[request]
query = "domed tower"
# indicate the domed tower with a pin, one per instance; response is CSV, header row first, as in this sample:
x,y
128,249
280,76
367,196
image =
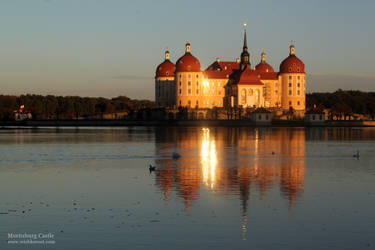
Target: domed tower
x,y
165,87
272,92
293,80
189,81
263,66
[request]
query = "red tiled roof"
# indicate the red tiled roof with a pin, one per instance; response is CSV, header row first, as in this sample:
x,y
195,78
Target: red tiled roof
x,y
292,64
188,63
264,67
221,70
269,75
248,76
165,69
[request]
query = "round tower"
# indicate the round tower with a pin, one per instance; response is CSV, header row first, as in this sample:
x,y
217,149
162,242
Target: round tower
x,y
165,83
189,80
293,79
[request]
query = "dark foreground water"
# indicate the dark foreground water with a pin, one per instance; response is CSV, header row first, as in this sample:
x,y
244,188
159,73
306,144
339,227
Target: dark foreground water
x,y
232,188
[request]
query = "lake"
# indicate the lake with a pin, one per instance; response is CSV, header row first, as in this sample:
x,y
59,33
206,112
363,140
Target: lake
x,y
232,188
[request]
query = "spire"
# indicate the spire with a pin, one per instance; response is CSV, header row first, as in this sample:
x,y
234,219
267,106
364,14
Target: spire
x,y
245,38
245,56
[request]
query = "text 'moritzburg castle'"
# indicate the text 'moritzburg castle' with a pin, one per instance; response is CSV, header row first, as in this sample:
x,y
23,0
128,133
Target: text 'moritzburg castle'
x,y
231,83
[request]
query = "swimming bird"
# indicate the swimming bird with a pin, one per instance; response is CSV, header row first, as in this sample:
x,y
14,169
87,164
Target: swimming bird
x,y
152,168
176,155
356,155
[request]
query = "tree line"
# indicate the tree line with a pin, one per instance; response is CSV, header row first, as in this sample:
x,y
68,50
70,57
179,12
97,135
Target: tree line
x,y
343,103
68,107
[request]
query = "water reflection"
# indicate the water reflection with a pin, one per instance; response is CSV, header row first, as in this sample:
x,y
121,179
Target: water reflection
x,y
238,161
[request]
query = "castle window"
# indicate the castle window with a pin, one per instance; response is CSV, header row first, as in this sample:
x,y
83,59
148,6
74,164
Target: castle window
x,y
290,84
180,91
197,76
290,69
180,102
298,103
276,92
167,73
189,83
189,76
243,96
294,64
290,103
219,92
197,84
188,67
180,83
197,104
180,75
189,91
298,92
298,85
197,91
290,77
297,69
189,103
298,77
250,91
290,92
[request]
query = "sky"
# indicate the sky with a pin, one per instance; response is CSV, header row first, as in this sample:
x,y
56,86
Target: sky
x,y
112,47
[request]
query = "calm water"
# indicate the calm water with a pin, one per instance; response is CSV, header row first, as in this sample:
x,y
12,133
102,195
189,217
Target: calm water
x,y
233,188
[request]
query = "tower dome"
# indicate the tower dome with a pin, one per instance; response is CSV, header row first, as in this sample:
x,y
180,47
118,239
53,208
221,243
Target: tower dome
x,y
263,66
166,68
292,64
188,62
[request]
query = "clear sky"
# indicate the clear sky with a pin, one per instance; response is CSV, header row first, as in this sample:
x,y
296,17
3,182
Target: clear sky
x,y
112,47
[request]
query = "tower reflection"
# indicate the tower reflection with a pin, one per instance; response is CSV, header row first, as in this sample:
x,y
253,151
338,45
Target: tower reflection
x,y
248,162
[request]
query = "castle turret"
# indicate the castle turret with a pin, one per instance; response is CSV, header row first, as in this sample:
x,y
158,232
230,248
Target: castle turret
x,y
293,78
189,80
164,82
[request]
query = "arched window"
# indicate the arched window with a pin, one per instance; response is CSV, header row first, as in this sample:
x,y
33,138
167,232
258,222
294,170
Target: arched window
x,y
243,96
257,94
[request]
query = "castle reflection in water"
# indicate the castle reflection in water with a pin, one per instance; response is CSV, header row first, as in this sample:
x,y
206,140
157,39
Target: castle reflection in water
x,y
231,160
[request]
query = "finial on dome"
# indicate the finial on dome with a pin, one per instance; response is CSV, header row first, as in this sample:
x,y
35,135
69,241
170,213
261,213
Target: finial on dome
x,y
167,56
263,55
292,48
187,47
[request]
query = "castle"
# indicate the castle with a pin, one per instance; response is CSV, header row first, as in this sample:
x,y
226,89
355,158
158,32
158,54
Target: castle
x,y
231,84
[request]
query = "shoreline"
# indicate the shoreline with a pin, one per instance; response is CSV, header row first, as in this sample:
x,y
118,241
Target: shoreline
x,y
186,123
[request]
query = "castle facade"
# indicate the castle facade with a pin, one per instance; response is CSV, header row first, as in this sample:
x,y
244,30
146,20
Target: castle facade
x,y
231,83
